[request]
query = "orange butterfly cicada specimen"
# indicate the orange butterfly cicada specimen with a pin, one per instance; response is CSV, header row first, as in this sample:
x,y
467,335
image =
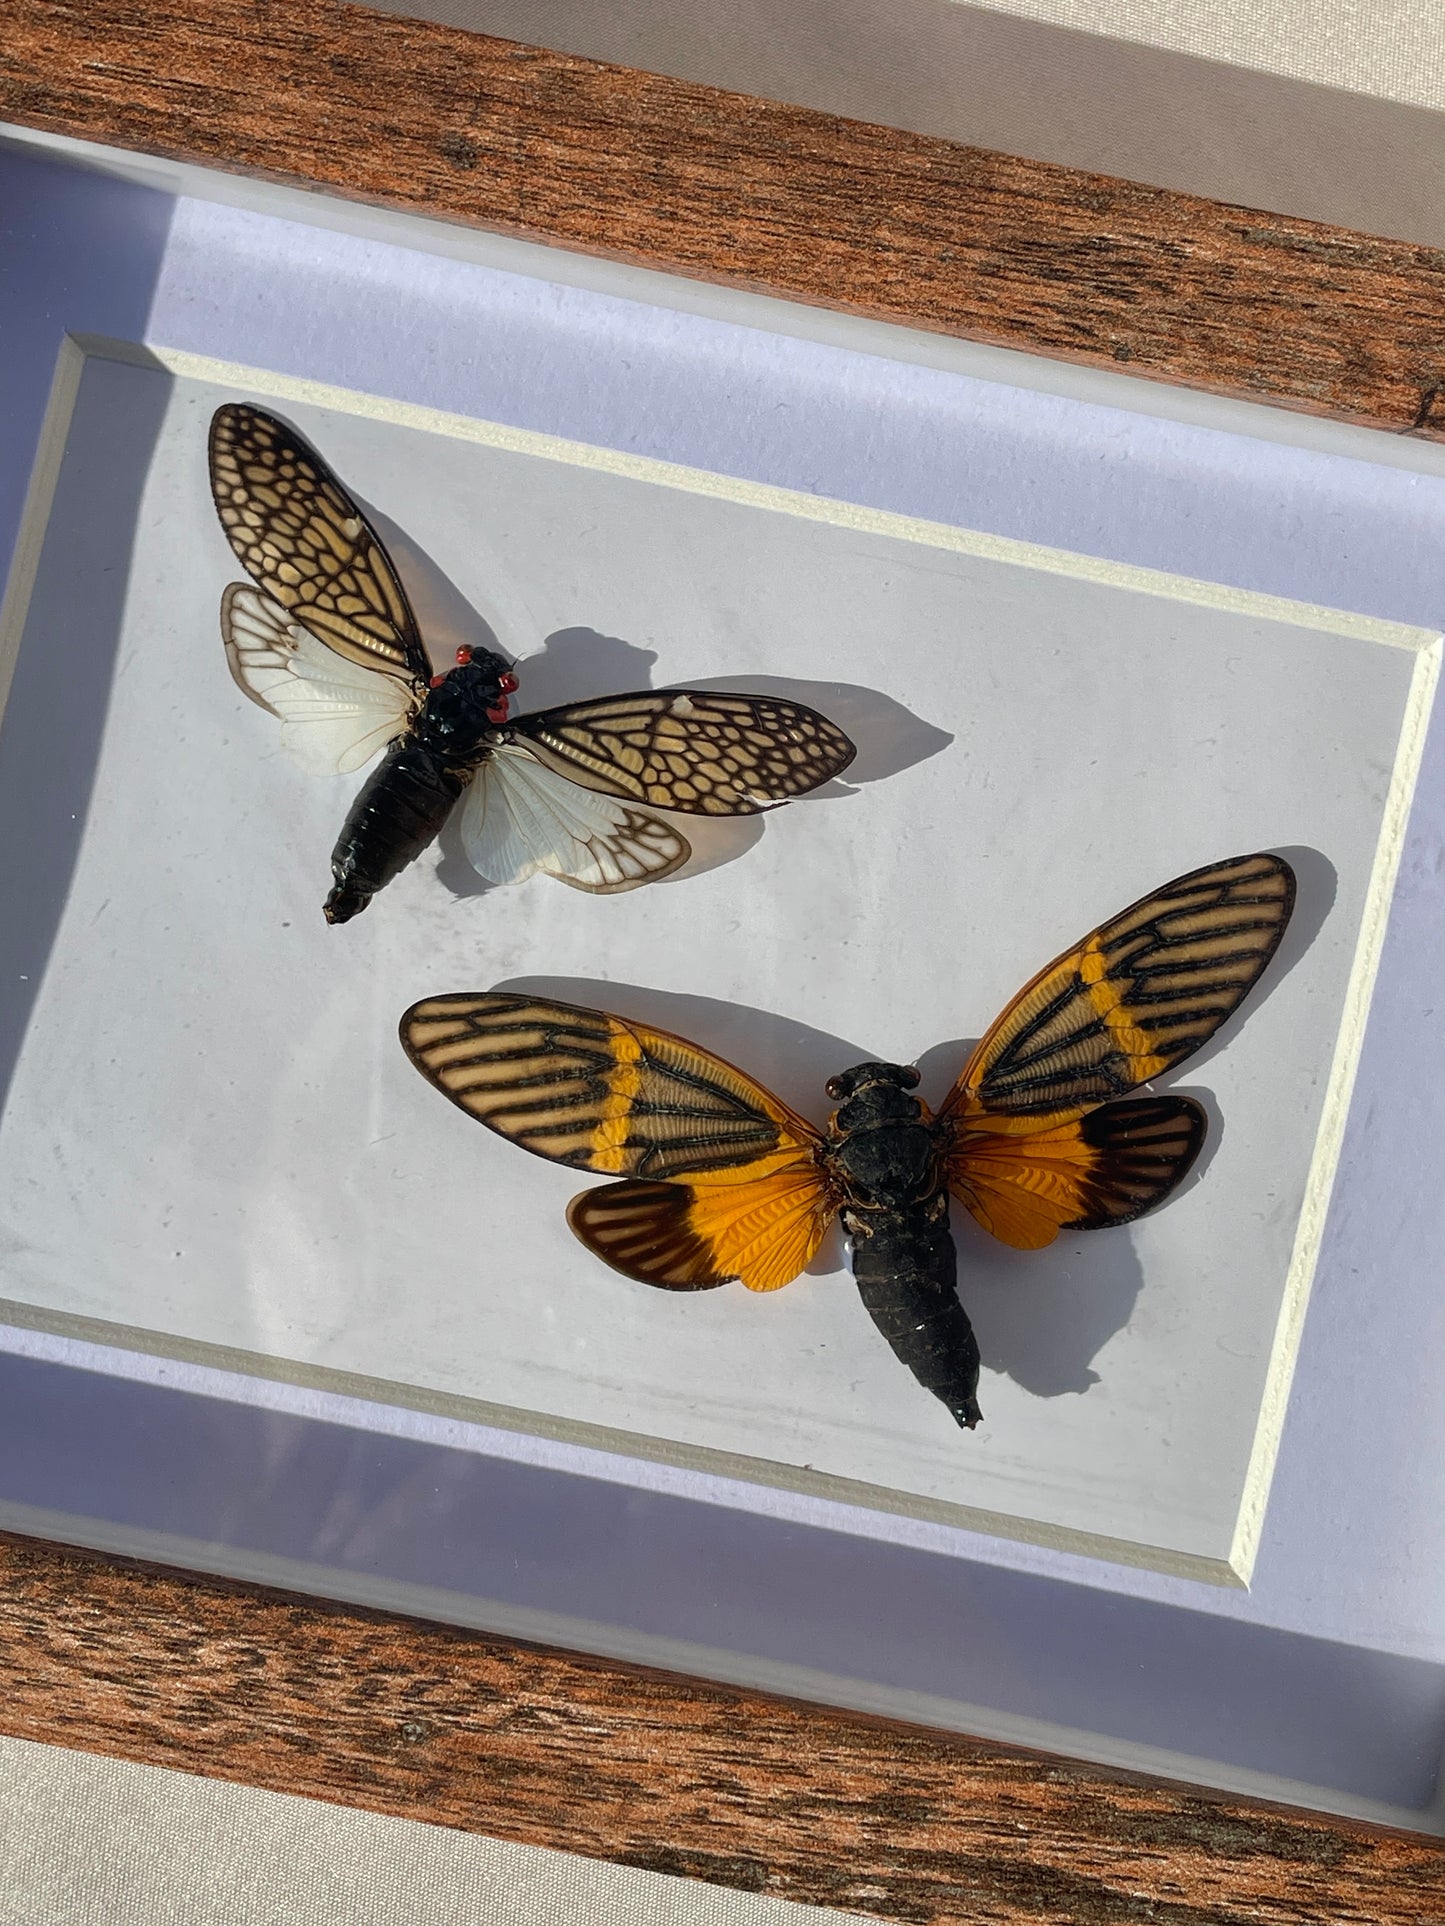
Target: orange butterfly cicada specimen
x,y
719,1179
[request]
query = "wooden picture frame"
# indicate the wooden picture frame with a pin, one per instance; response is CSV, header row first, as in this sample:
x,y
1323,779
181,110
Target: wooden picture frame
x,y
653,1771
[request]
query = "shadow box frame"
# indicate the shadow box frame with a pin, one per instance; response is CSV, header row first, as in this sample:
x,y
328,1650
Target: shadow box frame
x,y
503,1736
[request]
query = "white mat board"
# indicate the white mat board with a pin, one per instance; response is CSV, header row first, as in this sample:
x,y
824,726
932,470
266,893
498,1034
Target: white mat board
x,y
212,1135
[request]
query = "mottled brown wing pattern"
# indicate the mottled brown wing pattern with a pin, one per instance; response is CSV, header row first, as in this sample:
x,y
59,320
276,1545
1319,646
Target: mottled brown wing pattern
x,y
700,751
1138,996
298,533
586,1089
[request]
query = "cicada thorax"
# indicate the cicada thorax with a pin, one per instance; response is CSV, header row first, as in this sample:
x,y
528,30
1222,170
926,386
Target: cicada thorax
x,y
405,801
885,1158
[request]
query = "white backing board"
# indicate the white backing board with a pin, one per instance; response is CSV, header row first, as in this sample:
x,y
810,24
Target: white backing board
x,y
212,1135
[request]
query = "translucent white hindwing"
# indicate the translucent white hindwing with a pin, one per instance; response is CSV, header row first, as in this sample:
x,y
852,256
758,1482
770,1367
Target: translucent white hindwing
x,y
520,817
335,714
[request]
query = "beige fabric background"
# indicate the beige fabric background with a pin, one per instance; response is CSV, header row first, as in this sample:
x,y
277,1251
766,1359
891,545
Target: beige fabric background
x,y
95,1842
1332,109
1393,48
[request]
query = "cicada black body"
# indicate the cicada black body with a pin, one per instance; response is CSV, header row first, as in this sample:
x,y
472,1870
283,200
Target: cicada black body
x,y
327,641
720,1179
404,803
890,1171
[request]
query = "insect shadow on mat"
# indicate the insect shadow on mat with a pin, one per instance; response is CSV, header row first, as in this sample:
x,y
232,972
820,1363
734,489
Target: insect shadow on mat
x,y
889,737
447,620
1043,1316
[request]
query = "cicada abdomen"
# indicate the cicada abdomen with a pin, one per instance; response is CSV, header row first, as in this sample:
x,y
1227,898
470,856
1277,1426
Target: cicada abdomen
x,y
884,1154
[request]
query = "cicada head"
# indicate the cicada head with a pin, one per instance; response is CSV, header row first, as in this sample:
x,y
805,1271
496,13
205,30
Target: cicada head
x,y
874,1093
470,695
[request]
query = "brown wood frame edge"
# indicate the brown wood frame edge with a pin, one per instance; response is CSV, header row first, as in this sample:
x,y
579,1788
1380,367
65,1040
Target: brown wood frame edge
x,y
545,1747
647,1769
642,168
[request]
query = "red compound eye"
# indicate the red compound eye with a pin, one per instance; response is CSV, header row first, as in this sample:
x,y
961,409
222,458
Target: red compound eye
x,y
509,684
464,656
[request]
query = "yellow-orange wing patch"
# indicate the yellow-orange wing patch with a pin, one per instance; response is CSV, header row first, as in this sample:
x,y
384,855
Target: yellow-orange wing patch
x,y
299,534
748,1198
1028,1183
762,1229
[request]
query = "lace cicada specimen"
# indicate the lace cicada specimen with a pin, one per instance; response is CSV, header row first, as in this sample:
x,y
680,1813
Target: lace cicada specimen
x,y
327,642
720,1180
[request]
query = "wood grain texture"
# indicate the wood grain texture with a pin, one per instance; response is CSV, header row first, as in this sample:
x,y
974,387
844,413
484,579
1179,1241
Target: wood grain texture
x,y
669,1774
665,173
538,1746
